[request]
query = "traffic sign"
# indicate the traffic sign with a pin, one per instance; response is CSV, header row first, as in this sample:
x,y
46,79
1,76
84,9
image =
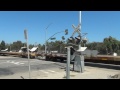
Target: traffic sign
x,y
25,34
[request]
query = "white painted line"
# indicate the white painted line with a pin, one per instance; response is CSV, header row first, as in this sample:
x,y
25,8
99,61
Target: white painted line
x,y
12,62
44,71
51,71
8,61
27,61
16,63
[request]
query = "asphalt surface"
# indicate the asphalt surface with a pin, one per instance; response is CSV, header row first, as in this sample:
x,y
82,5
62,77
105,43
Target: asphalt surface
x,y
14,65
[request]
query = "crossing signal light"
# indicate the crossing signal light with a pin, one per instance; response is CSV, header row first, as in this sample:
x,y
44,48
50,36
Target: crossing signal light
x,y
70,40
78,39
66,32
84,40
63,38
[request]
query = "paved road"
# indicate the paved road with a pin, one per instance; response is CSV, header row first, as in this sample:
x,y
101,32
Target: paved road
x,y
14,65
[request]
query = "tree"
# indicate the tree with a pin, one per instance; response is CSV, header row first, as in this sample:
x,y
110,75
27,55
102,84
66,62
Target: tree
x,y
56,46
2,45
31,46
111,44
8,46
39,47
17,45
43,47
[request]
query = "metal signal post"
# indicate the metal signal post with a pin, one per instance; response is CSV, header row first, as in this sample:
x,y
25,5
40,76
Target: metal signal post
x,y
26,37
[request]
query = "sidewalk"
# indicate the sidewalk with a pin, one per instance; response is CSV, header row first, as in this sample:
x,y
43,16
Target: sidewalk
x,y
89,73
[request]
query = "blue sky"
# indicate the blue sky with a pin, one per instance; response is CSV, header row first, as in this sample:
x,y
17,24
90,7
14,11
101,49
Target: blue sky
x,y
98,24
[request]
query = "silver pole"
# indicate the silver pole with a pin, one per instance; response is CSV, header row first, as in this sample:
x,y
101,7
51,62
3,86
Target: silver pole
x,y
80,28
80,17
68,64
28,56
46,37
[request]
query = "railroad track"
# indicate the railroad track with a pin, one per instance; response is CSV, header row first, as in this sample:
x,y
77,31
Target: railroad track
x,y
103,65
93,64
103,61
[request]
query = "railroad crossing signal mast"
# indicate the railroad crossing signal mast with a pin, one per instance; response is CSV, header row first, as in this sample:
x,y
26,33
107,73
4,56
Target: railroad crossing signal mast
x,y
77,54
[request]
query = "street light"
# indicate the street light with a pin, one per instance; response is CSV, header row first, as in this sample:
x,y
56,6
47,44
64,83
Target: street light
x,y
66,33
46,36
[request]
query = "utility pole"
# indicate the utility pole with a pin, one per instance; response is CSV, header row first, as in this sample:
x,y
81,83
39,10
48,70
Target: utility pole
x,y
26,37
80,28
46,37
68,63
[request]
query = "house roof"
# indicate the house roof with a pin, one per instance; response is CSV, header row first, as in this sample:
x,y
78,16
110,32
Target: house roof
x,y
33,49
